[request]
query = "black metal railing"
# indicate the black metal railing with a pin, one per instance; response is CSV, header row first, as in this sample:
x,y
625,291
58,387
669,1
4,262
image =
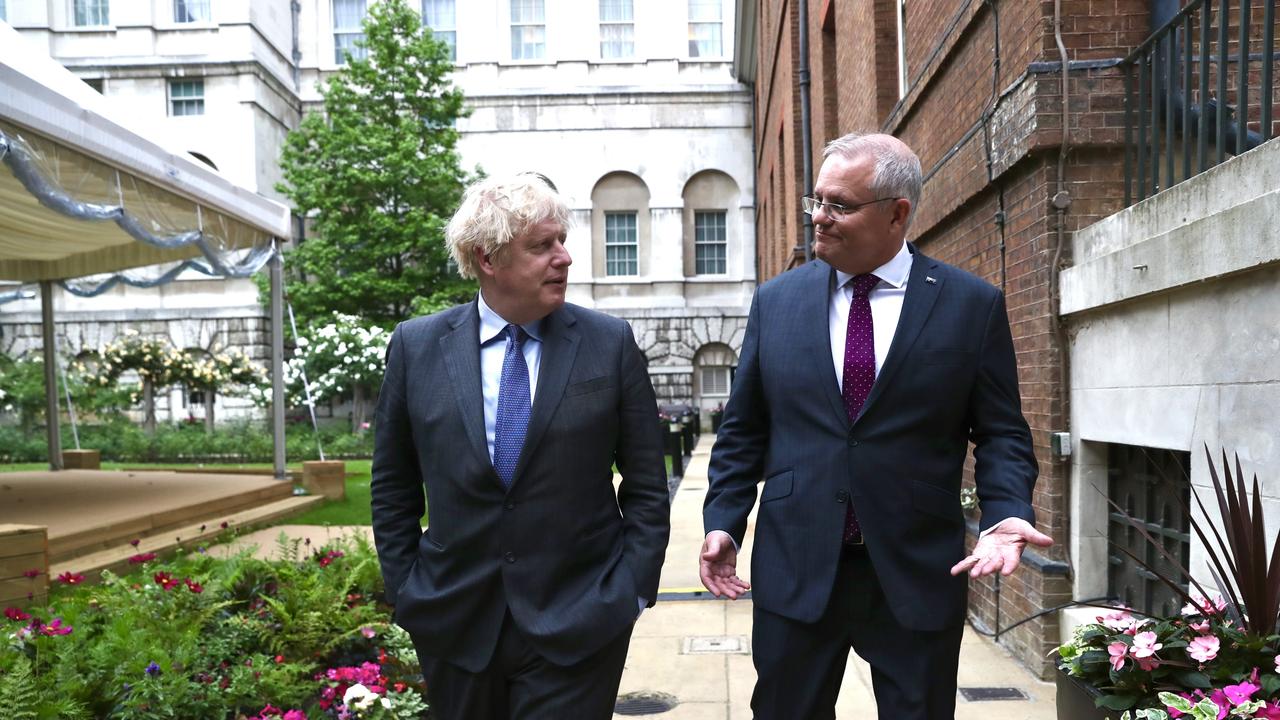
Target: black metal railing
x,y
1199,89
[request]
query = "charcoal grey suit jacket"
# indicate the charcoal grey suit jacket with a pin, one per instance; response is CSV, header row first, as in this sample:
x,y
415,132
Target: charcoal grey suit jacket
x,y
560,550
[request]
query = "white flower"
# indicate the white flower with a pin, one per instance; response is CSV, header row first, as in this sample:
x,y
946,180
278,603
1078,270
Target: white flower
x,y
359,697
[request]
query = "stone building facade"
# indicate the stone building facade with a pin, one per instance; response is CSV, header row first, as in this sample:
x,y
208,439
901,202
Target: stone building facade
x,y
629,107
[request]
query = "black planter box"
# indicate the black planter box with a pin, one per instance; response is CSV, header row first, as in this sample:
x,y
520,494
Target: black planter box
x,y
1075,701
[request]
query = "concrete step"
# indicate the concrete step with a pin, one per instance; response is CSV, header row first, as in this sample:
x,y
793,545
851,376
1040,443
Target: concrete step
x,y
194,534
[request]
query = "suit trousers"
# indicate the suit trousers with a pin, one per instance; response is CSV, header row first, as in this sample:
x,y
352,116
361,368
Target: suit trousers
x,y
519,684
800,665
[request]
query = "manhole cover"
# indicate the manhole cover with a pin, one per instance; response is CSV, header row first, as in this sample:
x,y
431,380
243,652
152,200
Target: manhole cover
x,y
644,703
717,644
989,694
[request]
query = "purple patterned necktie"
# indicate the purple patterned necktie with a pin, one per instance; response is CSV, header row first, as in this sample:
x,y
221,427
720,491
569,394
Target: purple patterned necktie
x,y
859,370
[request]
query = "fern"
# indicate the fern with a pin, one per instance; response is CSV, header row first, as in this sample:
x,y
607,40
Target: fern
x,y
18,692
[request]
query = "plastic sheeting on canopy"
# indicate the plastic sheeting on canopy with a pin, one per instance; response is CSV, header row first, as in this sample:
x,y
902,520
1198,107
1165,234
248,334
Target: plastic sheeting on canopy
x,y
84,196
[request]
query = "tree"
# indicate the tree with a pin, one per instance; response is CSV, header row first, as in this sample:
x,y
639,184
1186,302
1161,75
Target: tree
x,y
378,174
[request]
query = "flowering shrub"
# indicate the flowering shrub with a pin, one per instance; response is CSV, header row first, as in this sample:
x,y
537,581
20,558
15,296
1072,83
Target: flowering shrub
x,y
295,639
1203,654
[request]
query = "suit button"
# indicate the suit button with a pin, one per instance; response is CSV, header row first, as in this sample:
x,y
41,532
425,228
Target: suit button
x,y
509,506
509,557
842,497
853,442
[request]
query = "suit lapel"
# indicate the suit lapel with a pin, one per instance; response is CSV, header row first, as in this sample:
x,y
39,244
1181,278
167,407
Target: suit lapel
x,y
461,350
817,300
923,286
559,350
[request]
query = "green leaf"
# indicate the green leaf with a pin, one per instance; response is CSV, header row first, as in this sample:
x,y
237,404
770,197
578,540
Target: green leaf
x,y
1116,701
1192,679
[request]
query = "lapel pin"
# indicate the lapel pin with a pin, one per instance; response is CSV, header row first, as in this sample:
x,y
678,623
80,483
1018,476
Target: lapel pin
x,y
930,280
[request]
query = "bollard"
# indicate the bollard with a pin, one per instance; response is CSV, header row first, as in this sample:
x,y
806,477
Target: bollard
x,y
672,433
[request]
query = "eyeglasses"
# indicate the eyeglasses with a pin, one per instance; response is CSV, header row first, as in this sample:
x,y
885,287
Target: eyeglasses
x,y
811,205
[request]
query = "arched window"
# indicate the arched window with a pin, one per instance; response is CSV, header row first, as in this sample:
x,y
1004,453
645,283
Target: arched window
x,y
713,367
710,220
620,226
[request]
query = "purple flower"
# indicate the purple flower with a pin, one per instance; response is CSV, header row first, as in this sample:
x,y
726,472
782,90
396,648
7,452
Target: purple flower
x,y
153,669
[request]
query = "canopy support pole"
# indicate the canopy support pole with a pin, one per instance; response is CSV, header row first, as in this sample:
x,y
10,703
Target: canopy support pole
x,y
277,361
50,375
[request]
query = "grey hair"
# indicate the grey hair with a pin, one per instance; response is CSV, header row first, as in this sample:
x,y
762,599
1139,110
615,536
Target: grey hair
x,y
897,172
496,210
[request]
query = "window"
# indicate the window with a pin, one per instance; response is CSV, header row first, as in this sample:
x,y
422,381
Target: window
x,y
705,27
441,16
621,244
190,11
617,29
347,18
715,381
90,13
1152,487
528,30
186,97
4,14
709,243
903,80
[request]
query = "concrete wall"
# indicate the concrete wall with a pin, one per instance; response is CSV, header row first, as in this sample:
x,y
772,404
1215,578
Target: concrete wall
x,y
1172,307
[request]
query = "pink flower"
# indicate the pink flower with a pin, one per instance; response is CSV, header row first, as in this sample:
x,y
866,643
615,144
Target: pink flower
x,y
1201,627
368,632
1149,663
1204,606
1117,651
55,628
17,615
1204,648
165,580
70,578
295,715
1278,663
194,586
1270,711
142,558
1120,620
1240,694
32,573
1145,645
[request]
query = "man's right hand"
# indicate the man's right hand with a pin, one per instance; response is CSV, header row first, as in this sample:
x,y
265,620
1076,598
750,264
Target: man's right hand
x,y
718,566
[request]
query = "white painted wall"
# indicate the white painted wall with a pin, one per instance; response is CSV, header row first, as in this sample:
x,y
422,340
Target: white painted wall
x,y
1174,313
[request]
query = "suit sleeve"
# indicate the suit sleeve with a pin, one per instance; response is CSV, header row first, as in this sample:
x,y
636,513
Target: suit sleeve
x,y
398,497
737,459
642,496
1005,465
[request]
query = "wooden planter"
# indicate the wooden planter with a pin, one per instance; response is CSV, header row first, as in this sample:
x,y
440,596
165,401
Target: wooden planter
x,y
1075,700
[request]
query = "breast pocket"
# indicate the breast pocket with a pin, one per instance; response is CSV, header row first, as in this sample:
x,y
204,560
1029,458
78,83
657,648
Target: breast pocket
x,y
588,386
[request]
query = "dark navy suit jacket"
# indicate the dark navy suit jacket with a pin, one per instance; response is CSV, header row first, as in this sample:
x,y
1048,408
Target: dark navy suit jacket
x,y
565,554
949,379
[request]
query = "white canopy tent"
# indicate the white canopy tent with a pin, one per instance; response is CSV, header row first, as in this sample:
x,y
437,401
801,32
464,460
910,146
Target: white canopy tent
x,y
82,193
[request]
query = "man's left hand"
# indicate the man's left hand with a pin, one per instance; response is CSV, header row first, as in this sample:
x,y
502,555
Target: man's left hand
x,y
1001,548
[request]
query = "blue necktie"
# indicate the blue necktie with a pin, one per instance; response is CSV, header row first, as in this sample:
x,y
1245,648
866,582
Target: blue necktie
x,y
513,406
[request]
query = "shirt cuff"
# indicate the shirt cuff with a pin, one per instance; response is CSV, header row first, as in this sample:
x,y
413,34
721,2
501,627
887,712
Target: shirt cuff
x,y
736,547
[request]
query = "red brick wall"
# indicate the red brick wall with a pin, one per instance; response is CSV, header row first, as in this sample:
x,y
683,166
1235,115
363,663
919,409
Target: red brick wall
x,y
989,141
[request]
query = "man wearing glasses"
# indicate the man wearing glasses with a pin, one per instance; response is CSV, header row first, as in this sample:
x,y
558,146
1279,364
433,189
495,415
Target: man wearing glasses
x,y
863,378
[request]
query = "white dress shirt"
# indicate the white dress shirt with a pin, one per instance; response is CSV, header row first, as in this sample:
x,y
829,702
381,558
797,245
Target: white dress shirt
x,y
886,306
493,348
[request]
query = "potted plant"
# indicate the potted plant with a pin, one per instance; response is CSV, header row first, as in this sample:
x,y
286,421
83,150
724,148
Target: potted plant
x,y
1219,657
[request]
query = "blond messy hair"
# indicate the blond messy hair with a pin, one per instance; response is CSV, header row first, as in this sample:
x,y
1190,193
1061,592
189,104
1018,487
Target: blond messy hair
x,y
496,210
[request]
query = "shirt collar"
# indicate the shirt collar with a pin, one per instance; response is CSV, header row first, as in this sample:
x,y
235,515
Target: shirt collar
x,y
895,272
492,325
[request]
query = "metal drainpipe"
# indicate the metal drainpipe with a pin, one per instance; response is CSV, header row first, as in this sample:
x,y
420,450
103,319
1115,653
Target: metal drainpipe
x,y
296,7
1062,201
806,130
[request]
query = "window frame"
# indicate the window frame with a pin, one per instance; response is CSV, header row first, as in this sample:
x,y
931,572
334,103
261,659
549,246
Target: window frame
x,y
206,5
347,48
520,25
627,45
82,8
615,267
695,51
701,243
175,99
449,35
